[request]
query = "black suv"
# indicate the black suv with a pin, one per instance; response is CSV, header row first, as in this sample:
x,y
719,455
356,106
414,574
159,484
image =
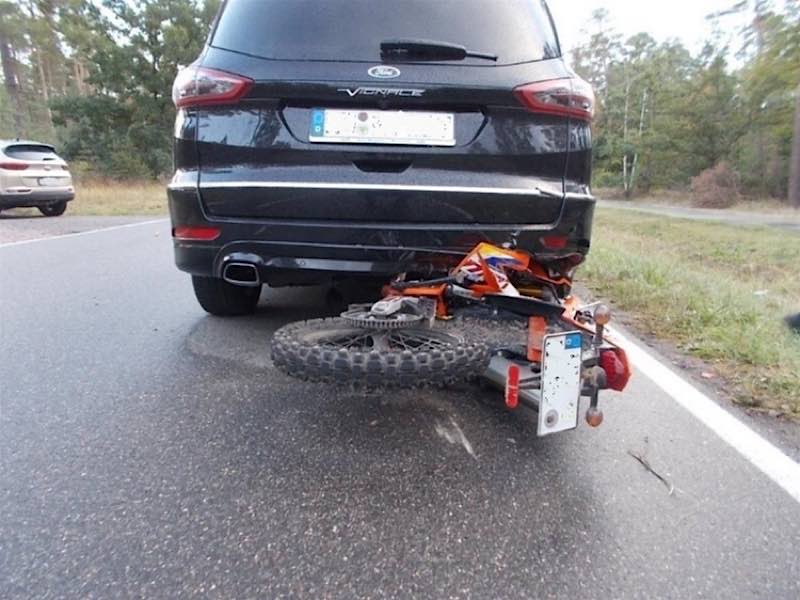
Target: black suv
x,y
326,139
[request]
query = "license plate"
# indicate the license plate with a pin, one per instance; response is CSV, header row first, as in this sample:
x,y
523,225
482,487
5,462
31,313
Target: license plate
x,y
561,383
52,181
409,128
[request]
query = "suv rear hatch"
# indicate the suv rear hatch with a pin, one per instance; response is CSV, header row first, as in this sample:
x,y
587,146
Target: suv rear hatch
x,y
33,166
304,64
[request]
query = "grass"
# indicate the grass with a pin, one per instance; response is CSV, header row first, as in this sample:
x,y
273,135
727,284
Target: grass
x,y
112,199
717,292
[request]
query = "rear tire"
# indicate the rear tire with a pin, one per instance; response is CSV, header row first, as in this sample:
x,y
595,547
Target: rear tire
x,y
334,351
223,299
53,210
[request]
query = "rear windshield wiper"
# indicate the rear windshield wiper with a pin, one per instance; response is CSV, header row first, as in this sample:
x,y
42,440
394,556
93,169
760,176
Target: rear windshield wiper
x,y
414,49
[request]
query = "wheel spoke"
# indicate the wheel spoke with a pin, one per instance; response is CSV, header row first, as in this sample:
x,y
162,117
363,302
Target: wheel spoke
x,y
348,340
412,340
420,341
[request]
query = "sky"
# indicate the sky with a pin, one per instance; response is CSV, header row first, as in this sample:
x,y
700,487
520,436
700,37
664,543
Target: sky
x,y
663,19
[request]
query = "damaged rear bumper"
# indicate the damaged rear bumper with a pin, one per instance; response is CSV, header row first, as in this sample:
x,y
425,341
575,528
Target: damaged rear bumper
x,y
282,248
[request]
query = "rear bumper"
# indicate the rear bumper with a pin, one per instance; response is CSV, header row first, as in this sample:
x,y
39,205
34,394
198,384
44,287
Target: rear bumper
x,y
35,197
290,251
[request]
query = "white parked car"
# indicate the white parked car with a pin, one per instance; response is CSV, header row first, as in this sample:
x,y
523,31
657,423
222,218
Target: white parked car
x,y
32,174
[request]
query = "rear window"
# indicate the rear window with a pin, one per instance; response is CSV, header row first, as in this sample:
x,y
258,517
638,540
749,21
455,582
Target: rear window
x,y
352,30
30,152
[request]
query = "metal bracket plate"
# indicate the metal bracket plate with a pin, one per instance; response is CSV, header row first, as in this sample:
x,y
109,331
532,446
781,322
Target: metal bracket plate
x,y
561,383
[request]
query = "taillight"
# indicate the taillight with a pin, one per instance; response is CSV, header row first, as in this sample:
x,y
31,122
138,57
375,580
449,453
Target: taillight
x,y
198,86
618,372
14,166
571,98
196,234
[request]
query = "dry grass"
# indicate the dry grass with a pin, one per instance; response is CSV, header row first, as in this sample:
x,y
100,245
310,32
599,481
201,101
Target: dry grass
x,y
112,198
717,292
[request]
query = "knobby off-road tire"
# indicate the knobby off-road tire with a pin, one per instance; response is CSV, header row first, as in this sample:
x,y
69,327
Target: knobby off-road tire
x,y
334,351
223,299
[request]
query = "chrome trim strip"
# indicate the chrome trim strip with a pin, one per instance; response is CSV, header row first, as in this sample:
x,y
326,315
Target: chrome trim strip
x,y
368,186
576,196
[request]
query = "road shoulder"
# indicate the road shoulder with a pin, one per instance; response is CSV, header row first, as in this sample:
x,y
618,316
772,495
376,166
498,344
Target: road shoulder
x,y
777,428
17,227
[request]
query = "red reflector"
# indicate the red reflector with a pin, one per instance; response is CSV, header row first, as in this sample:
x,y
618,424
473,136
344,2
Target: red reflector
x,y
512,387
555,242
618,373
196,234
18,166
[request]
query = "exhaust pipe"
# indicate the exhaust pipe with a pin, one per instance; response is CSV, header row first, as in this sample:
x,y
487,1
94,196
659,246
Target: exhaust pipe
x,y
242,274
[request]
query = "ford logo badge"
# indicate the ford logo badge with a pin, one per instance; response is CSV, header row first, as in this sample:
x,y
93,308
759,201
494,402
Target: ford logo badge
x,y
384,72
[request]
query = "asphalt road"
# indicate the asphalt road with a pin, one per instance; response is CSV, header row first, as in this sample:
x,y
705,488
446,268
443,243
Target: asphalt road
x,y
148,450
786,222
17,225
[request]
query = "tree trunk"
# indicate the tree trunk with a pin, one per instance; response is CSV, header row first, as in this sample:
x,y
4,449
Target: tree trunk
x,y
625,182
42,78
11,77
639,142
794,179
45,83
78,76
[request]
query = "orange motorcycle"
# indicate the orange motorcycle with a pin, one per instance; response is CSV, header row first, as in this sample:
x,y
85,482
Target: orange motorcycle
x,y
498,316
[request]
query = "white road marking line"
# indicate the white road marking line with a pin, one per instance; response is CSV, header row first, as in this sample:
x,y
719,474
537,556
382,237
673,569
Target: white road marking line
x,y
80,233
758,451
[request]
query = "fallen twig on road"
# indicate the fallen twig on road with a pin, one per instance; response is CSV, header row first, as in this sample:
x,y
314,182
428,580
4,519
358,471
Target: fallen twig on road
x,y
646,464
